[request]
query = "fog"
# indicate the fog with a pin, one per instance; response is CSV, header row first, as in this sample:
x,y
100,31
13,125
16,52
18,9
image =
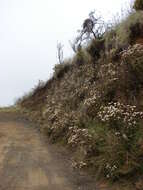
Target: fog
x,y
29,32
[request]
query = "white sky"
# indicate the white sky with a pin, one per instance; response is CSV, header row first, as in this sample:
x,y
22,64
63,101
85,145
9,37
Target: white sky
x,y
29,32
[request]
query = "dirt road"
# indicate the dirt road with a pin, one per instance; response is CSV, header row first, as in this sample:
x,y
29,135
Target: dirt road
x,y
27,162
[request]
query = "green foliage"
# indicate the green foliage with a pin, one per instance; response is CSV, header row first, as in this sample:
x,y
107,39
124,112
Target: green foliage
x,y
138,5
24,98
115,157
133,58
95,48
110,39
82,57
137,68
130,29
124,33
61,69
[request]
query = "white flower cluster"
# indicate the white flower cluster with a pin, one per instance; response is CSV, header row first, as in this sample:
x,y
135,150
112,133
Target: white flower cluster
x,y
108,71
78,136
137,49
91,101
116,111
79,165
110,170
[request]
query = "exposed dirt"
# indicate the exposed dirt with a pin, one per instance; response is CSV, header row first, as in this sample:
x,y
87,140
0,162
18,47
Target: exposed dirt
x,y
28,162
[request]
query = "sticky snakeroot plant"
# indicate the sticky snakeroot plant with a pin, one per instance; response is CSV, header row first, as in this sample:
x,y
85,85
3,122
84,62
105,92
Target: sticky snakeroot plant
x,y
123,118
123,123
110,170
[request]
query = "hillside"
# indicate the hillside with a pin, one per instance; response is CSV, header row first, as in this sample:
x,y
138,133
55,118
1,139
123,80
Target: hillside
x,y
93,104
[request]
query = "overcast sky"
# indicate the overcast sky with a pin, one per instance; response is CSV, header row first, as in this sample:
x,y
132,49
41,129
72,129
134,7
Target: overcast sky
x,y
29,32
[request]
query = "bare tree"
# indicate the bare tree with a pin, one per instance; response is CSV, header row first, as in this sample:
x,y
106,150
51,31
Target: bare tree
x,y
92,27
60,52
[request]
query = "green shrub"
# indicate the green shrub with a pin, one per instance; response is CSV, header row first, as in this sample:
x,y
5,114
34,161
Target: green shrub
x,y
110,40
61,69
123,123
130,29
138,5
25,97
125,33
82,57
116,157
95,48
133,58
136,68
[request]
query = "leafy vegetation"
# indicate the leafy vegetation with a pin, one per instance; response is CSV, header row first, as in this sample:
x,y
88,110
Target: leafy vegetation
x,y
138,5
93,103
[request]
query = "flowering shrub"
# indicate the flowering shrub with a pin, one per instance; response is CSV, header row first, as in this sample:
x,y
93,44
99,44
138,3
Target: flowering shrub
x,y
91,101
116,113
91,104
133,58
108,71
110,170
132,51
108,76
81,140
80,164
78,136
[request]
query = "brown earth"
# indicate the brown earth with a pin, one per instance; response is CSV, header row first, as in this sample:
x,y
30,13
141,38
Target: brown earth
x,y
139,41
29,162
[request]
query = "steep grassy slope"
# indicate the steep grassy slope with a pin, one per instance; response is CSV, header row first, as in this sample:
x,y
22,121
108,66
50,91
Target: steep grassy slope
x,y
94,103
